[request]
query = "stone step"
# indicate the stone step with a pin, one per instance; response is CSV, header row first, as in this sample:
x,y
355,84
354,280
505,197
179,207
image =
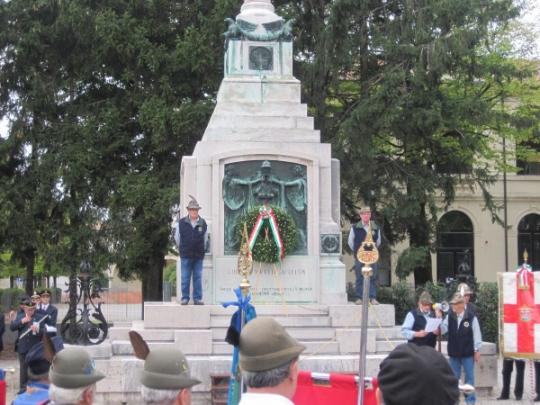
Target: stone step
x,y
286,321
263,109
123,347
262,135
123,372
312,347
276,310
122,333
391,332
386,346
260,121
218,334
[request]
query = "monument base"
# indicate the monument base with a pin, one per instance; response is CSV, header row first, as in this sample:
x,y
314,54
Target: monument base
x,y
331,334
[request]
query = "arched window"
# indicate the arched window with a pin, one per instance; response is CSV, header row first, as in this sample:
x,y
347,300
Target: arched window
x,y
455,245
529,238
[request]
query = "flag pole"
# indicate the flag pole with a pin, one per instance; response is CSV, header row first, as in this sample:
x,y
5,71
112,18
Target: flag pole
x,y
367,254
245,266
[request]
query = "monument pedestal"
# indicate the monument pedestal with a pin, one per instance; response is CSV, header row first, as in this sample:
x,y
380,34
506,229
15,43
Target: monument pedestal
x,y
331,334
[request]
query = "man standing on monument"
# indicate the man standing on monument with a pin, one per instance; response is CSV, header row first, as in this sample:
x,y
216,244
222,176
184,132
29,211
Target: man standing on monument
x,y
357,235
191,237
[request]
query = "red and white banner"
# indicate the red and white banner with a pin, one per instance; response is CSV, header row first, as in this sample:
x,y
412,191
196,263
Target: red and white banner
x,y
339,389
519,313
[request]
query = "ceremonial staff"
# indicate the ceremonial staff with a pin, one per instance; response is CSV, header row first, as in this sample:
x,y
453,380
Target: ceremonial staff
x,y
367,254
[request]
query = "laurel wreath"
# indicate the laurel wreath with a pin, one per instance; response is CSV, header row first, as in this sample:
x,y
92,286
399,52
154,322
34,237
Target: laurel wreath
x,y
265,249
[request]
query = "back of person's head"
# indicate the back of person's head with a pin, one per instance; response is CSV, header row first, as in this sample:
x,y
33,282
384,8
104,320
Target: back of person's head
x,y
165,378
73,377
268,354
37,360
417,375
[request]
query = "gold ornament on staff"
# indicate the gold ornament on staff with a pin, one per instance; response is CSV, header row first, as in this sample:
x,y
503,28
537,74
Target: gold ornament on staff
x,y
525,256
245,262
368,253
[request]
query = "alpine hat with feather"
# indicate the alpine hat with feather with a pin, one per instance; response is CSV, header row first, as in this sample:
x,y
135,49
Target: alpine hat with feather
x,y
164,369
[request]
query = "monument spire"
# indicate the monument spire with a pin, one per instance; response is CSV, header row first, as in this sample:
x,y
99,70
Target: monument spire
x,y
258,12
257,4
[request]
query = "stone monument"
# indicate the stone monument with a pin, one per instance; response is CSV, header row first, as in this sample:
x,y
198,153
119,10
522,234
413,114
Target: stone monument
x,y
260,145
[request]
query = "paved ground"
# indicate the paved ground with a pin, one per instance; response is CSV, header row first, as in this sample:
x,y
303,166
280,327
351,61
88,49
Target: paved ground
x,y
8,361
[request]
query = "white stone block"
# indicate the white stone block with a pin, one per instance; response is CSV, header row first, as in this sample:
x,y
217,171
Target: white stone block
x,y
174,315
289,109
349,340
194,341
351,315
262,134
252,90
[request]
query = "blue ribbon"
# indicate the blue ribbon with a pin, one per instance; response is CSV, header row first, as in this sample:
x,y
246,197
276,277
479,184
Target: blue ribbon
x,y
248,310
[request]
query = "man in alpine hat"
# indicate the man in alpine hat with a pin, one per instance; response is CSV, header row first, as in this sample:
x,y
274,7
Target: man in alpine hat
x,y
269,363
73,378
191,237
357,235
416,320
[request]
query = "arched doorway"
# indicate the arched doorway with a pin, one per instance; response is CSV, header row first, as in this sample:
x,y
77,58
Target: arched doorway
x,y
455,245
529,238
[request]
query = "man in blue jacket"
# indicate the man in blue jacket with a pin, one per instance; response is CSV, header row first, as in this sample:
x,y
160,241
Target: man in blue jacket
x,y
192,239
30,329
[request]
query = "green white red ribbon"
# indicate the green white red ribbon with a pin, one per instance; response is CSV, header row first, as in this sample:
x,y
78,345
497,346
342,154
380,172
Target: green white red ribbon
x,y
266,214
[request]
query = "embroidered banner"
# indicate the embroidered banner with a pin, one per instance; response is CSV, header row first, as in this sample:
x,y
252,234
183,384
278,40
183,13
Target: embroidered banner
x,y
519,313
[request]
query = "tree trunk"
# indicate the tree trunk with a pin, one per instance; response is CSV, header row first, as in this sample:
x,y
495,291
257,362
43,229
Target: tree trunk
x,y
29,262
152,280
419,237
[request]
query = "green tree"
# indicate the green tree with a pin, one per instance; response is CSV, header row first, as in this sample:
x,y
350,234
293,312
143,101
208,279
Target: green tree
x,y
115,93
408,95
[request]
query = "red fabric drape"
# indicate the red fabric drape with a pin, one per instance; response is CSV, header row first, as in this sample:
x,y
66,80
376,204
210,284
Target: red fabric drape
x,y
341,389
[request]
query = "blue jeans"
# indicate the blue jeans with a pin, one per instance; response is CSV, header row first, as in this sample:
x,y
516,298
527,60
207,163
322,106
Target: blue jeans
x,y
191,268
468,366
359,287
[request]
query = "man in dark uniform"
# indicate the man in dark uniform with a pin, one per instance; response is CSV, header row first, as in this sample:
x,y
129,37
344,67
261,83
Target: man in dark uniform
x,y
29,334
416,320
192,238
357,235
48,309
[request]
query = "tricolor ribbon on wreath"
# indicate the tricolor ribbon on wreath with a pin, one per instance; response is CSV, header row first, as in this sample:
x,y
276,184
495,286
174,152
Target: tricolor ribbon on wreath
x,y
266,214
519,313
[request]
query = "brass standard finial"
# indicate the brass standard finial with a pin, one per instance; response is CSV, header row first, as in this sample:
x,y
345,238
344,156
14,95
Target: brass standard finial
x,y
245,262
368,253
525,256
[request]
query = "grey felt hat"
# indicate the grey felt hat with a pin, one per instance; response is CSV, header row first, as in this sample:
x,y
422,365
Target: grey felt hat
x,y
74,368
164,368
265,344
193,204
425,298
457,298
364,210
167,369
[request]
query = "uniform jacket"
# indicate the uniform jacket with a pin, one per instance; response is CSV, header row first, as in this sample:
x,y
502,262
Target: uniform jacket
x,y
24,344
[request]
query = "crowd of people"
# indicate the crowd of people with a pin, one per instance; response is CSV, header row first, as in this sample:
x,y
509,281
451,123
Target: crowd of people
x,y
413,373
